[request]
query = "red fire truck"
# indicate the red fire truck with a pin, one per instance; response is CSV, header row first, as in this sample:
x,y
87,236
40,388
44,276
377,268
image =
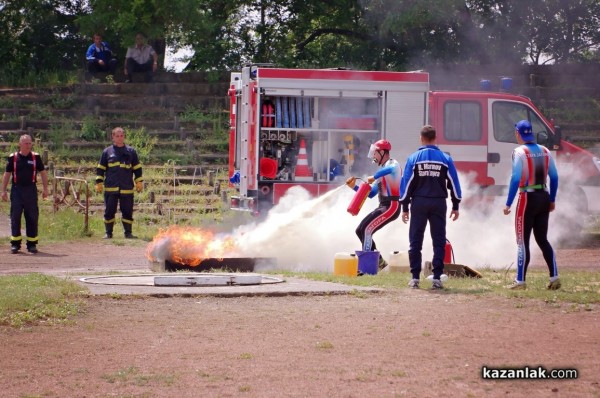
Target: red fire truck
x,y
313,128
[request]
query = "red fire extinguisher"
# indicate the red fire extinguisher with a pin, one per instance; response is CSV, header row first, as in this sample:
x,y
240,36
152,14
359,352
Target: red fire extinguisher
x,y
359,198
449,253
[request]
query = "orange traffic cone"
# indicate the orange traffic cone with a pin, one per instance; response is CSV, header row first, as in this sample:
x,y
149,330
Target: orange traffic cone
x,y
303,172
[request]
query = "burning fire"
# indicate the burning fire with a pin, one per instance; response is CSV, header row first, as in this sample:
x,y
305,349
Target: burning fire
x,y
188,245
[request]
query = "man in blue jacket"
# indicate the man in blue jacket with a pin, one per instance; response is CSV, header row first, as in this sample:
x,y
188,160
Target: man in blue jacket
x,y
99,57
428,175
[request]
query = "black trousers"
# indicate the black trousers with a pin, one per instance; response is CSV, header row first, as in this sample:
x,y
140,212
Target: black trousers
x,y
422,211
24,201
125,202
110,66
133,66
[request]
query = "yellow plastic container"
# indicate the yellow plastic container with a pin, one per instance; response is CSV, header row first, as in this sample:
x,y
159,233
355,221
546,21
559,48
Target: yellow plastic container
x,y
345,264
399,262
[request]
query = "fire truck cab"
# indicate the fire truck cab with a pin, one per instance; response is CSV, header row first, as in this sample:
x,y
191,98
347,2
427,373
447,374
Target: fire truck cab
x,y
313,128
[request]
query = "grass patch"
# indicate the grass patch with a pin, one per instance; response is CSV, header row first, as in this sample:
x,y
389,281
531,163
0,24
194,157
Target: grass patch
x,y
133,376
11,76
68,223
324,345
246,355
581,288
32,298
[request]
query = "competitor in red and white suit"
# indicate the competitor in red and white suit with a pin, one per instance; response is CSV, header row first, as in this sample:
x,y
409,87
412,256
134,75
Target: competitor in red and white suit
x,y
387,188
532,166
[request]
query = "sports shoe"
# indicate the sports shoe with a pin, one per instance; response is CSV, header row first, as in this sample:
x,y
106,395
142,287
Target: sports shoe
x,y
436,284
130,236
413,284
517,286
32,249
107,236
554,285
382,264
14,249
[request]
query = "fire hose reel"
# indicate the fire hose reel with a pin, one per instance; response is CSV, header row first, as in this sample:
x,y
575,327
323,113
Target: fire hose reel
x,y
265,190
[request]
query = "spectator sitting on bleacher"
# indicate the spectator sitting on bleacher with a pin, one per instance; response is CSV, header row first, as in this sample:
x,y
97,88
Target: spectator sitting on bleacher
x,y
99,57
140,58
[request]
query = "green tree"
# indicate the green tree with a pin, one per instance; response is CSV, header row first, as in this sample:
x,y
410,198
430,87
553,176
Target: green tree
x,y
537,31
365,34
564,31
40,35
172,22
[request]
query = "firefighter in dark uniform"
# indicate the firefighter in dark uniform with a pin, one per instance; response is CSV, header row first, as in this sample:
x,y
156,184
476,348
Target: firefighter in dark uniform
x,y
22,168
118,173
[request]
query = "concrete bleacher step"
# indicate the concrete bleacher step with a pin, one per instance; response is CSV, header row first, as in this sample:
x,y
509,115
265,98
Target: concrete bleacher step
x,y
197,136
154,88
181,144
146,101
159,77
166,108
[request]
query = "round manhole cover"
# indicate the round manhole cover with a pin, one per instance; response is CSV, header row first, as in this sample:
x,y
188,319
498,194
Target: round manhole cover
x,y
205,280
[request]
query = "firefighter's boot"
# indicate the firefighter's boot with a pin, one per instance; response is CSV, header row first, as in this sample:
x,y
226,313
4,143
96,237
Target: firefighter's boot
x,y
128,234
109,232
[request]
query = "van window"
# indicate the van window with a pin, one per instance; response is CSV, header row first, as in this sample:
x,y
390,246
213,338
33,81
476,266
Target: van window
x,y
462,121
507,114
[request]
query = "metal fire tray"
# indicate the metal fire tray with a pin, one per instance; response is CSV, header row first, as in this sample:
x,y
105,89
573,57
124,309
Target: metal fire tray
x,y
231,264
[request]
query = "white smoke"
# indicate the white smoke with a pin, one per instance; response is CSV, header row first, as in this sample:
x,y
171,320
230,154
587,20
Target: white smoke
x,y
159,250
304,234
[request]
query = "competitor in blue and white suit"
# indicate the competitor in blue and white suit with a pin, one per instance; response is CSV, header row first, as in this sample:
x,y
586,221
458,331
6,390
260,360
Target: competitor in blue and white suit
x,y
532,166
428,175
388,190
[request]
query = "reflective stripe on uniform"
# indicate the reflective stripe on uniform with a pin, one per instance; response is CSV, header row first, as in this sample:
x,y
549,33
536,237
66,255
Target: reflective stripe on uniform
x,y
101,167
16,237
127,221
127,191
139,179
111,189
35,239
15,158
137,166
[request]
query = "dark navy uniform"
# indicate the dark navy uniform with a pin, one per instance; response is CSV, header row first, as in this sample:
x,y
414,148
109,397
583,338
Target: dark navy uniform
x,y
428,176
24,196
117,169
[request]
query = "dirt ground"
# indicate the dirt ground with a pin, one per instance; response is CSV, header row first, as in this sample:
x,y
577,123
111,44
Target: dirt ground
x,y
391,344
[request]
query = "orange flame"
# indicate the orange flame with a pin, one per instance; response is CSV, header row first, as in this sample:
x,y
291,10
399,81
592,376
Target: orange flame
x,y
188,245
